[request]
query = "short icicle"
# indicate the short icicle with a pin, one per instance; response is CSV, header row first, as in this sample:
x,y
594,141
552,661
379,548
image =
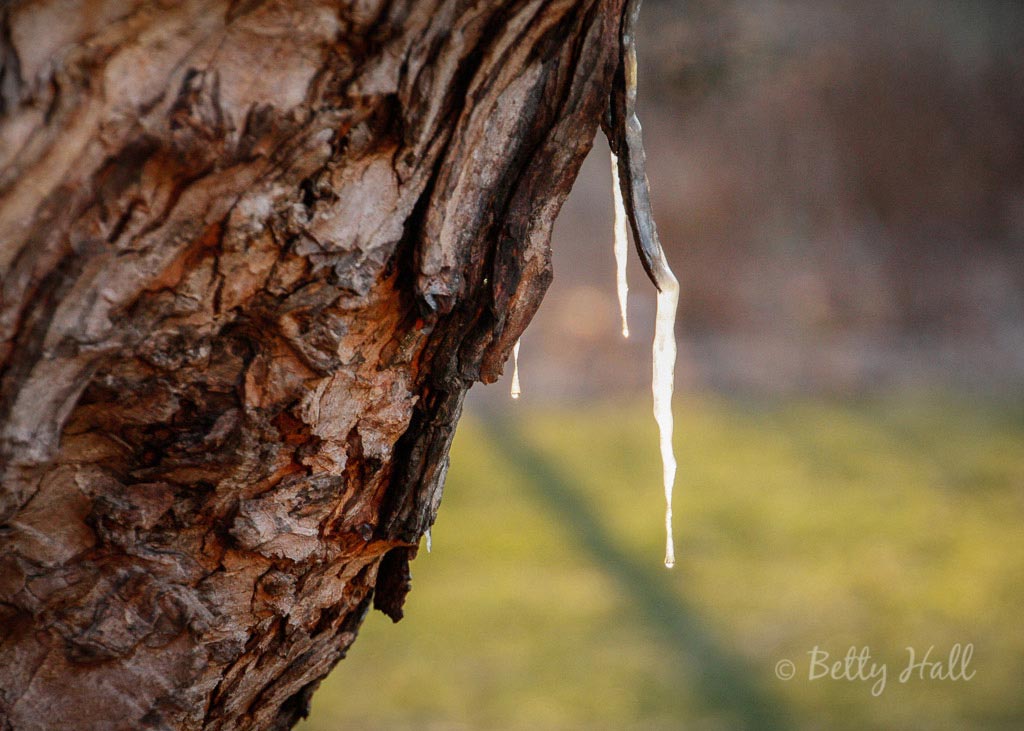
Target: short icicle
x,y
515,390
662,386
427,538
621,245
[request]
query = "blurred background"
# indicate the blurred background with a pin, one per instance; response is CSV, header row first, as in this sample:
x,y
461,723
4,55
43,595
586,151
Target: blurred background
x,y
840,189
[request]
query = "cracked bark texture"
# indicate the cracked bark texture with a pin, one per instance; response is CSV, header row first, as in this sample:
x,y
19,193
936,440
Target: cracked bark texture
x,y
252,255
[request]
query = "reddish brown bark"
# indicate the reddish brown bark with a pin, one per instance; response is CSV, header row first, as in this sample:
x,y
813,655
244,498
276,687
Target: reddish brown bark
x,y
253,254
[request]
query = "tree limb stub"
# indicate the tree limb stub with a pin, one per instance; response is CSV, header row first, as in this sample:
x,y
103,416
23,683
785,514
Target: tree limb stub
x,y
625,137
252,256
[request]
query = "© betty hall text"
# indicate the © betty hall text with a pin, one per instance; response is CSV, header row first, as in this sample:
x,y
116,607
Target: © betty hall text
x,y
859,665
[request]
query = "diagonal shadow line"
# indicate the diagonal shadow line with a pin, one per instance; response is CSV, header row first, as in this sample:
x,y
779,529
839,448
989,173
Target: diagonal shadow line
x,y
721,679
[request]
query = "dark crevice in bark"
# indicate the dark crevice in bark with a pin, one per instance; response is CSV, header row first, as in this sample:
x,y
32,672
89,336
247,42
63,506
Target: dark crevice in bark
x,y
10,67
394,581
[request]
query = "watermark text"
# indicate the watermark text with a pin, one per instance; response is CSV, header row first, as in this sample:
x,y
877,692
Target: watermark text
x,y
859,665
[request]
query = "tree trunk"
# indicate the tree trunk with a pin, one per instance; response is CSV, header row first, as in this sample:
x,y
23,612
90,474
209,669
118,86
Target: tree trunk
x,y
253,254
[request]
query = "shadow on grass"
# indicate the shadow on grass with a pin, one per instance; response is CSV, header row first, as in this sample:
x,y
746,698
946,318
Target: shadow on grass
x,y
722,682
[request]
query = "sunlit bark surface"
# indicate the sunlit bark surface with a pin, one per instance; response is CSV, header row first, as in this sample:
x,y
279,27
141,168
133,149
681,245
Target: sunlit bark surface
x,y
252,255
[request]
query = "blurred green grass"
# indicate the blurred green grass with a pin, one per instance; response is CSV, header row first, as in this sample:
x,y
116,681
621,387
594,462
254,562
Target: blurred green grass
x,y
886,523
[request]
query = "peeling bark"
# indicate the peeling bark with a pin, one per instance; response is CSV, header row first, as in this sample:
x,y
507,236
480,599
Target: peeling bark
x,y
252,256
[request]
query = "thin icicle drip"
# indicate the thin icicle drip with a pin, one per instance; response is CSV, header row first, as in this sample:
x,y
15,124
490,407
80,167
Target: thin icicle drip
x,y
515,391
621,245
427,537
661,386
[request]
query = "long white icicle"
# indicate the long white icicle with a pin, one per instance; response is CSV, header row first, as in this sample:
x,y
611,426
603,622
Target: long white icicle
x,y
515,390
662,386
625,137
621,245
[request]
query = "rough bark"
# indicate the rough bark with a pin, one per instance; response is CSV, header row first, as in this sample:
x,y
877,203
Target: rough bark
x,y
252,255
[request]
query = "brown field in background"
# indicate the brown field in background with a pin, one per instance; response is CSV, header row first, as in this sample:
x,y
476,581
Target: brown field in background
x,y
840,188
